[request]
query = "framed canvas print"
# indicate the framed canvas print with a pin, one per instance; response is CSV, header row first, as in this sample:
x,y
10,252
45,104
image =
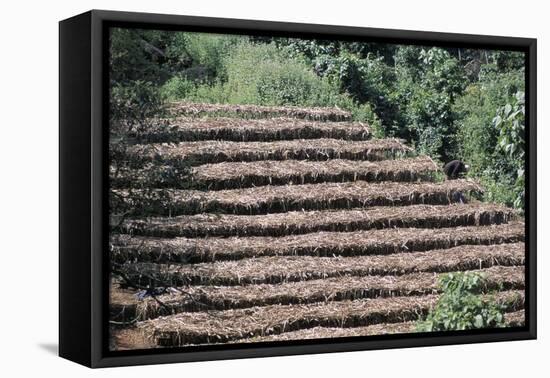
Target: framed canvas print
x,y
233,188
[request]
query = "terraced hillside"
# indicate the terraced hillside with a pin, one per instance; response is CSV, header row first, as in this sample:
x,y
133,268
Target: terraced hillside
x,y
245,224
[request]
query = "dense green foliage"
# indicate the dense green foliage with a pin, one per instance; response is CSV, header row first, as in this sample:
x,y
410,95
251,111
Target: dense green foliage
x,y
490,140
461,306
448,103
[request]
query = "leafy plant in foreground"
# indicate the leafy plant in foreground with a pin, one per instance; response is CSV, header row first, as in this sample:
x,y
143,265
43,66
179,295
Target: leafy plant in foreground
x,y
510,121
461,306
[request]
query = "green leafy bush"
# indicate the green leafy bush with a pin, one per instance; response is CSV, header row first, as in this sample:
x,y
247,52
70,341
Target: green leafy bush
x,y
490,133
366,80
510,121
428,83
266,74
177,87
365,113
461,306
202,55
413,98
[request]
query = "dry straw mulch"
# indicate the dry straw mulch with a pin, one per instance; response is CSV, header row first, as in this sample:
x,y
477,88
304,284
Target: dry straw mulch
x,y
258,111
515,319
232,175
512,319
315,260
303,222
230,325
243,130
202,298
132,338
122,304
218,151
129,338
281,269
336,332
278,199
384,241
148,176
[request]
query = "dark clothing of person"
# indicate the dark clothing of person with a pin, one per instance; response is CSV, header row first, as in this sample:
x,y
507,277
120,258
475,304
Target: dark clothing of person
x,y
453,169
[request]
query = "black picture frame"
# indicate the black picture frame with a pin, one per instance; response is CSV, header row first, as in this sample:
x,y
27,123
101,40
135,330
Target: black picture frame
x,y
83,228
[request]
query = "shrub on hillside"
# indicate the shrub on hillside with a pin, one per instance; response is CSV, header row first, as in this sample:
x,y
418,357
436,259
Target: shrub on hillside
x,y
461,306
490,133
